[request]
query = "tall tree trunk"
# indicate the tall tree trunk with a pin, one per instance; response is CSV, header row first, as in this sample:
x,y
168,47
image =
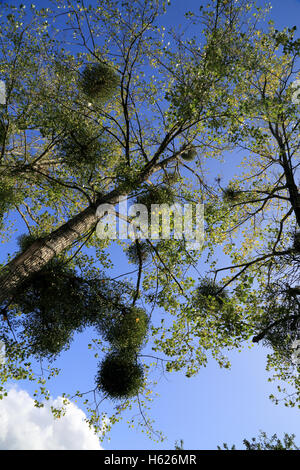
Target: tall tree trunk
x,y
42,251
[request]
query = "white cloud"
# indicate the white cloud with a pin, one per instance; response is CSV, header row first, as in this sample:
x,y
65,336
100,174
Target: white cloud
x,y
25,427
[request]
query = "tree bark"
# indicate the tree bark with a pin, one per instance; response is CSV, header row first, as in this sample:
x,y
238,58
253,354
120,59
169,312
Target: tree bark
x,y
42,251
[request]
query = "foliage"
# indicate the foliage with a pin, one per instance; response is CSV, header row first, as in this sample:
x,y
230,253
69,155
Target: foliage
x,y
119,376
189,155
26,240
138,251
263,442
127,333
231,194
57,302
84,147
99,82
156,195
6,197
121,113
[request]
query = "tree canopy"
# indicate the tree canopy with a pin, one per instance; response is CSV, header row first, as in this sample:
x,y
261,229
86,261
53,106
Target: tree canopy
x,y
263,442
99,107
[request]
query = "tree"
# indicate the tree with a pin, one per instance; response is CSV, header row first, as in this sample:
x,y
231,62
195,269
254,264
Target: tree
x,y
267,443
99,107
257,220
264,203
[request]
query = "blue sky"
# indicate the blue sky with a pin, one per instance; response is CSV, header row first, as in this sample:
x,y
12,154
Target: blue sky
x,y
217,405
